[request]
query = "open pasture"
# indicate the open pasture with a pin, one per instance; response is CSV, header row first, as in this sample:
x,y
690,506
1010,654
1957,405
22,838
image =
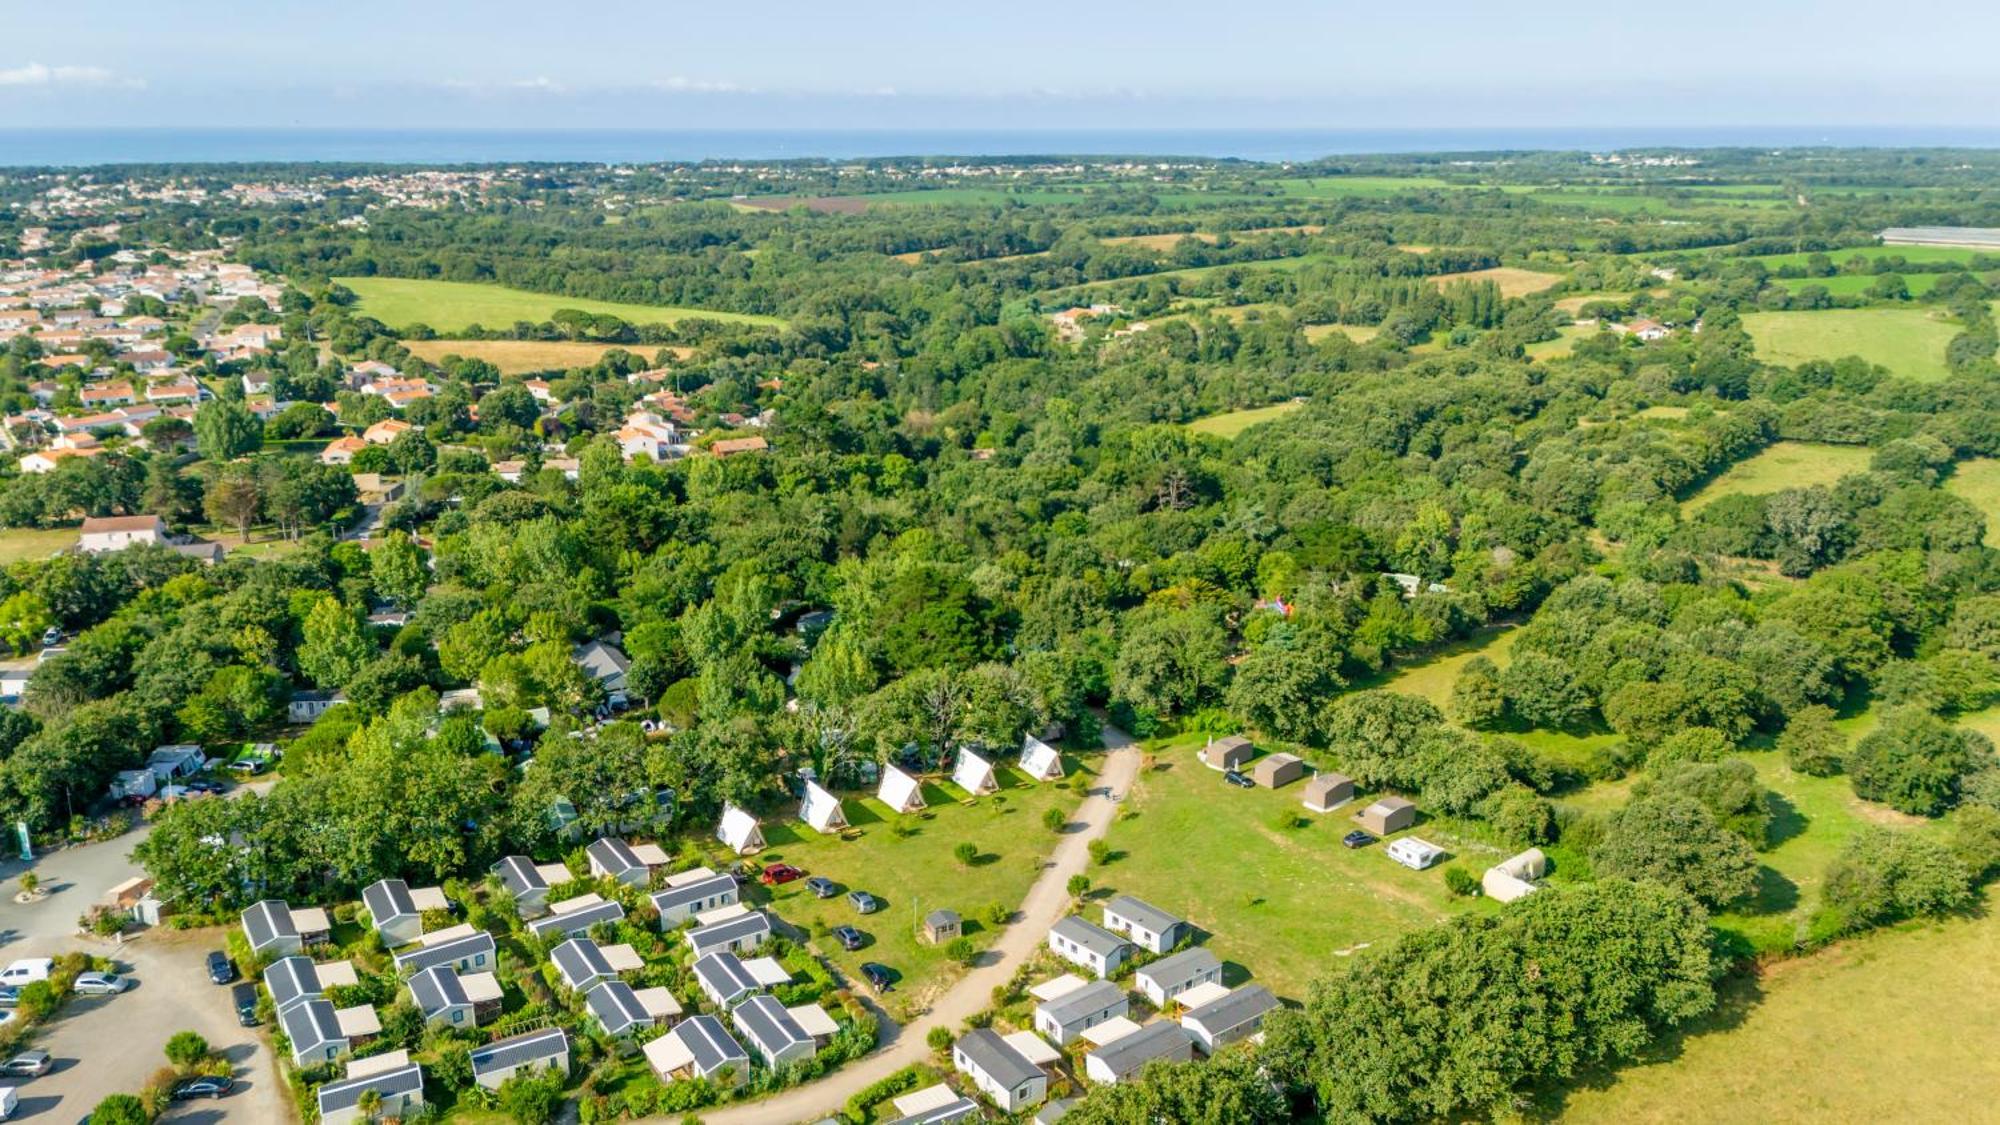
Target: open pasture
x,y
1910,342
1513,282
1782,465
523,357
453,306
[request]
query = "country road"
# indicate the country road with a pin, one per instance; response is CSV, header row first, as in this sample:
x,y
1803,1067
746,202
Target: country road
x,y
1047,901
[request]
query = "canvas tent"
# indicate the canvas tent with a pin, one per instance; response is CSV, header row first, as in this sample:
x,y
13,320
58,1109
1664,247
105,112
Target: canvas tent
x,y
1039,760
1514,878
739,831
821,809
974,774
900,791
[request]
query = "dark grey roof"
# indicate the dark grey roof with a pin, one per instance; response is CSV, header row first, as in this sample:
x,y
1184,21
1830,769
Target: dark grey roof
x,y
291,979
310,1025
996,1058
613,855
703,938
534,1047
267,921
1052,1112
346,1094
940,918
517,874
1241,1006
672,897
1145,914
1126,1055
1185,965
1095,938
1090,999
958,1110
445,952
437,989
767,1023
580,961
577,921
616,1006
724,973
710,1044
386,899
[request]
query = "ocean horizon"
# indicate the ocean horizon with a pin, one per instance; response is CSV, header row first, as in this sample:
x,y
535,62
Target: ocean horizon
x,y
48,147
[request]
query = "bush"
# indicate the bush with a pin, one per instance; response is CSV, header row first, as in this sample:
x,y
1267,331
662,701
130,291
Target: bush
x,y
1079,885
1054,820
996,914
1883,876
939,1039
186,1048
120,1109
1100,852
965,853
1461,882
961,950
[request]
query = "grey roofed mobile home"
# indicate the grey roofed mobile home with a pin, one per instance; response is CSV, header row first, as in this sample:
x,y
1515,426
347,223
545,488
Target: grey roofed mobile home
x,y
581,963
393,911
1093,947
1149,927
1226,1019
738,934
1124,1057
400,1089
577,921
268,925
500,1060
605,664
1170,976
1069,1015
996,1067
473,951
710,1047
678,904
958,1109
440,996
290,980
617,1007
613,857
771,1031
523,880
314,1032
724,979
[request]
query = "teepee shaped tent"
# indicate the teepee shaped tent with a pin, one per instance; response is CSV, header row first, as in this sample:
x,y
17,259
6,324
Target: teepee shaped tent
x,y
900,791
821,809
974,774
739,831
1039,760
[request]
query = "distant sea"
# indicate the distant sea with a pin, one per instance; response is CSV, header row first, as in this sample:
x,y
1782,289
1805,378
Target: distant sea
x,y
82,147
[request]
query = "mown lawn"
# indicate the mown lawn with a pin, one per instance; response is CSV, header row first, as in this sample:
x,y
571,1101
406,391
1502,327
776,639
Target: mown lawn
x,y
1236,421
1782,465
1909,342
1977,481
913,875
21,543
453,306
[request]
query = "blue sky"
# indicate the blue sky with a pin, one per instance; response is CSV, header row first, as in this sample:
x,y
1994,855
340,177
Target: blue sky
x,y
1026,64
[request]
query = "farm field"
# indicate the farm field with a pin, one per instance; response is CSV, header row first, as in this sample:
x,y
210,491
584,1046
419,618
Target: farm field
x,y
1574,305
1782,465
916,874
1909,342
1236,421
1855,284
1923,254
19,544
1280,905
1977,481
453,306
1894,1026
1513,282
1161,242
521,357
1359,333
1562,345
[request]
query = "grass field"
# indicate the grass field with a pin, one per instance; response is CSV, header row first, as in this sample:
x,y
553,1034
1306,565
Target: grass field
x,y
1512,282
1782,465
1236,421
1926,254
916,874
1433,676
519,357
1574,305
1977,481
1161,242
1298,262
1856,284
21,543
453,306
1562,345
1909,342
1359,333
1280,905
1895,1026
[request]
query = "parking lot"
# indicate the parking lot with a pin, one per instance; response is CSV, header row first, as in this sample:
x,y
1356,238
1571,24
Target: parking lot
x,y
113,1044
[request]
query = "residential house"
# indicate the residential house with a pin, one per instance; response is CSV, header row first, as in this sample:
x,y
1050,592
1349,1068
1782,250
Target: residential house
x,y
275,929
182,390
528,882
1328,791
308,706
606,664
822,810
769,1030
577,915
398,1091
257,382
396,911
46,460
739,831
1514,877
1230,753
1173,975
1149,927
1070,1006
106,395
617,1008
680,902
1094,948
730,447
941,926
386,431
463,952
1223,1021
1386,815
1039,760
496,1062
1121,1059
900,791
699,1047
740,934
1002,1072
341,450
646,434
974,774
115,533
1275,771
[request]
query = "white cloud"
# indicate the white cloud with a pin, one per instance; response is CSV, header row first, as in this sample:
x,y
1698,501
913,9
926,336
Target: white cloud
x,y
683,85
41,74
541,84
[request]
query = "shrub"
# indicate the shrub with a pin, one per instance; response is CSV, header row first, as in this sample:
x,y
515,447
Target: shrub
x,y
120,1109
1100,852
186,1048
965,853
1054,820
939,1039
1079,885
1882,876
996,914
1461,882
961,950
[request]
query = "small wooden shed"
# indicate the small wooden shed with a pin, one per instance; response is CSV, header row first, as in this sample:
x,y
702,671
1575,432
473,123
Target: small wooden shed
x,y
941,926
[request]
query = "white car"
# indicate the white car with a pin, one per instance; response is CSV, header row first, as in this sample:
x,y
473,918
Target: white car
x,y
101,984
27,971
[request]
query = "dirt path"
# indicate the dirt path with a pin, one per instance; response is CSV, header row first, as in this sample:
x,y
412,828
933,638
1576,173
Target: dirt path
x,y
1047,901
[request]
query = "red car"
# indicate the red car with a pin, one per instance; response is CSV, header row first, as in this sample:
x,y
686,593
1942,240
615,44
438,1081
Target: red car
x,y
779,873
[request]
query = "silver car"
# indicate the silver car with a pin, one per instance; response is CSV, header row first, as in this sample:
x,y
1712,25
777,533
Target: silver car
x,y
101,984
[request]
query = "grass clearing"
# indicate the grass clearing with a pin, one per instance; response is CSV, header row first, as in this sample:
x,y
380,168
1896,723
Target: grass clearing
x,y
1513,282
1432,676
1857,284
19,544
520,357
1956,255
1236,421
1160,242
1909,342
1562,345
1977,481
454,306
1782,465
1359,333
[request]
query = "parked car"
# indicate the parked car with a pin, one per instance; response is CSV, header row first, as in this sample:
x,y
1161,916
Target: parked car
x,y
849,938
245,997
822,887
220,969
877,977
1357,839
248,767
864,903
52,636
101,984
778,873
1236,778
10,995
27,971
203,785
28,1064
203,1087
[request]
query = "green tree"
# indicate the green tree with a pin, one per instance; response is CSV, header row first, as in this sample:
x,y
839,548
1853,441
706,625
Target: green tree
x,y
1914,762
186,1048
24,617
397,567
1229,1089
120,1109
1171,660
334,645
225,430
1674,841
1881,876
1477,699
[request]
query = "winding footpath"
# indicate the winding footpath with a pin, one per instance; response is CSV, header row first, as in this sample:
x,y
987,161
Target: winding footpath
x,y
1047,901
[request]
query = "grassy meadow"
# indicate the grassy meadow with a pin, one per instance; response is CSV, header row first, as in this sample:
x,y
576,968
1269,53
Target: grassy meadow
x,y
18,544
1909,342
1858,284
1359,333
1782,465
522,357
1236,421
1977,481
453,306
1513,282
1957,255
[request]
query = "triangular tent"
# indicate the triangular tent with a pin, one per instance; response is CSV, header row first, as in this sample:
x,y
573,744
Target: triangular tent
x,y
821,809
1039,760
739,831
974,774
900,791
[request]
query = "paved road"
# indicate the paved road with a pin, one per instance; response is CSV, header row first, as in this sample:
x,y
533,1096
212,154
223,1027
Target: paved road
x,y
1047,901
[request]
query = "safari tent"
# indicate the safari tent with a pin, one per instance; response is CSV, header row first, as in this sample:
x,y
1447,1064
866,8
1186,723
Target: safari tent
x,y
739,831
974,774
821,809
900,791
1039,760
